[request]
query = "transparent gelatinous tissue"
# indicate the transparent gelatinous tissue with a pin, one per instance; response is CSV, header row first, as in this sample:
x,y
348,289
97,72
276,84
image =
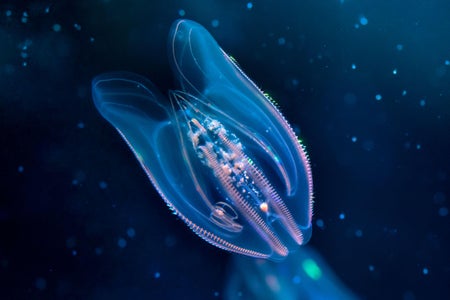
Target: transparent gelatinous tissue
x,y
303,275
217,149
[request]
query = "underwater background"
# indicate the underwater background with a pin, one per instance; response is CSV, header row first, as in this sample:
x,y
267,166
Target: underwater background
x,y
366,84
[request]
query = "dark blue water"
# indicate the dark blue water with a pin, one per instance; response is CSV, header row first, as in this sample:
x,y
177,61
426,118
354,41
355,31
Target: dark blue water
x,y
366,85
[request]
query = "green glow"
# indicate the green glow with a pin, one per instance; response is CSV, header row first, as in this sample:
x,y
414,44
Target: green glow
x,y
311,269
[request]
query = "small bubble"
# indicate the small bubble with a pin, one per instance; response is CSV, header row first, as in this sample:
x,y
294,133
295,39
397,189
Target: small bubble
x,y
394,72
122,243
56,27
378,97
353,67
181,12
131,232
249,5
215,23
342,216
157,275
363,21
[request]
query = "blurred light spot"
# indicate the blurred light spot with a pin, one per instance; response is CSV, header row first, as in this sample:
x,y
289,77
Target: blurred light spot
x,y
354,139
353,66
20,169
74,253
399,47
320,223
157,275
358,233
122,243
394,72
447,62
422,102
341,216
8,13
249,5
371,268
311,269
131,232
98,251
418,146
378,97
56,27
404,92
181,12
296,279
80,125
281,41
425,271
215,23
40,283
363,21
103,185
443,211
77,26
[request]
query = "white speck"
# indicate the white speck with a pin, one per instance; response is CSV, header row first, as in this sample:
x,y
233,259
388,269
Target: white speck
x,y
378,97
215,23
363,21
394,71
353,66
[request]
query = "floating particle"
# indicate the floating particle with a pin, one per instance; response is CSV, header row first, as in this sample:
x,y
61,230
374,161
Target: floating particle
x,y
371,268
399,47
447,62
74,252
394,72
404,92
77,26
216,294
281,41
425,271
20,169
47,9
342,216
122,243
354,139
422,102
358,233
249,5
8,13
181,12
378,97
320,223
363,21
56,27
103,185
24,18
40,283
353,67
131,232
443,211
157,275
215,23
418,146
98,251
80,125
